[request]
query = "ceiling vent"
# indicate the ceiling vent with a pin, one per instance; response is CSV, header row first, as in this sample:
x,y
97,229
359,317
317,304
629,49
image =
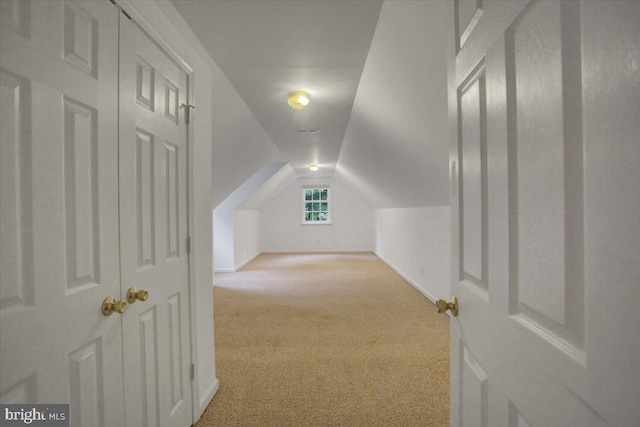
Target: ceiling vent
x,y
307,131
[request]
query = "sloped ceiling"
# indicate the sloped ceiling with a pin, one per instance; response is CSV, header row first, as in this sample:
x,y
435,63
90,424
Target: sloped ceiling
x,y
254,185
395,149
271,188
269,48
241,146
390,144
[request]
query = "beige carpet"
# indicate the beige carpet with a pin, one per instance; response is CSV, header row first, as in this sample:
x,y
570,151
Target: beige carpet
x,y
327,340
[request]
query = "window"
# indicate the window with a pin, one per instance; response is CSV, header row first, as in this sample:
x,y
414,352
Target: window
x,y
316,206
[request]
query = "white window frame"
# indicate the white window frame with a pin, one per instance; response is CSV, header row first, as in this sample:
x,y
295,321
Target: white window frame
x,y
303,218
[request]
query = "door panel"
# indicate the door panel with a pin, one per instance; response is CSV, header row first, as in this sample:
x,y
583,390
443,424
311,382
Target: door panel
x,y
153,200
547,285
59,198
533,341
473,390
473,189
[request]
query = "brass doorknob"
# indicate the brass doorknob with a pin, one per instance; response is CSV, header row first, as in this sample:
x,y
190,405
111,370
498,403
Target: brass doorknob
x,y
110,306
134,295
451,305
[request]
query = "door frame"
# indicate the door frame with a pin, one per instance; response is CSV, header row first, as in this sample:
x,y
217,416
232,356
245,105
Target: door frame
x,y
126,7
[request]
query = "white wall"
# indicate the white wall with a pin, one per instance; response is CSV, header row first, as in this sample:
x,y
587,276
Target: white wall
x,y
164,24
223,252
282,231
396,147
246,237
397,141
415,242
223,217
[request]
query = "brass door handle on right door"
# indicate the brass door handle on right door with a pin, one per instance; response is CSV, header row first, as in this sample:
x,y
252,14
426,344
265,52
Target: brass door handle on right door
x,y
134,295
452,305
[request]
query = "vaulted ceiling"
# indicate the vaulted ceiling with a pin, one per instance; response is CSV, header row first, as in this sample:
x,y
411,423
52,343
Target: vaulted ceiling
x,y
270,48
376,72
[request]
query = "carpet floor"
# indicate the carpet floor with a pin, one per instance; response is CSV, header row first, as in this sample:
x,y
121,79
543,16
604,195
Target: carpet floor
x,y
326,340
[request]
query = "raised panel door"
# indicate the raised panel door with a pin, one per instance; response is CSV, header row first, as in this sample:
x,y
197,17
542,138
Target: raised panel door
x,y
153,218
59,208
544,214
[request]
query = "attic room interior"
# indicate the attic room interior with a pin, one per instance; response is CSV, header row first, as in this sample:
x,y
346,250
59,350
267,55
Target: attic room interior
x,y
320,212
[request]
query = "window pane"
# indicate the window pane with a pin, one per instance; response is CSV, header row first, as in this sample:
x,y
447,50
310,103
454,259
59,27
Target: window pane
x,y
316,204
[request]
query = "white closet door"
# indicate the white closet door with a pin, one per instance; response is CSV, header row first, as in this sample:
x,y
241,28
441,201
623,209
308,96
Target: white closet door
x,y
59,207
153,217
545,214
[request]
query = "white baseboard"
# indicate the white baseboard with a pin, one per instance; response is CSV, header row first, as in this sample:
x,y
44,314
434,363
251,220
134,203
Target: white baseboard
x,y
237,267
242,264
208,396
316,251
405,277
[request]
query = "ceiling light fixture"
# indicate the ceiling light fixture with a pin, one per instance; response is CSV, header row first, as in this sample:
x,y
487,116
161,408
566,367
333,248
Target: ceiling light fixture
x,y
313,168
298,100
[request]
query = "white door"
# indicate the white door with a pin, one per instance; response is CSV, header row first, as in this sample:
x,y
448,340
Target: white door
x,y
546,214
153,220
59,208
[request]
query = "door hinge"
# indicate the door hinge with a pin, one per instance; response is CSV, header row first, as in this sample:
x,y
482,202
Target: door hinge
x,y
188,244
193,371
187,112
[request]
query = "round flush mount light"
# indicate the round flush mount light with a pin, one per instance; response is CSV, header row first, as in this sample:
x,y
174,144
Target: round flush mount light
x,y
298,100
313,168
